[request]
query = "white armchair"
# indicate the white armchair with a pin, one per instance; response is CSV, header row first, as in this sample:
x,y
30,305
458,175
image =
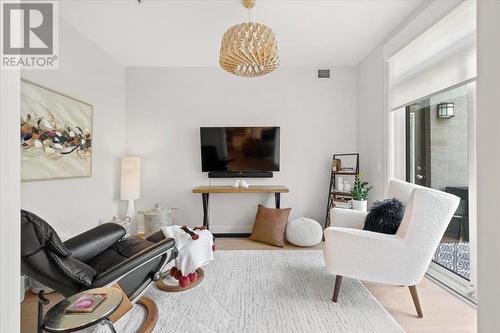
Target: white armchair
x,y
400,259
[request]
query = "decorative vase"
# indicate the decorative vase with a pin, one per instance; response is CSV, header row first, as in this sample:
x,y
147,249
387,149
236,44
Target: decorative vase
x,y
360,205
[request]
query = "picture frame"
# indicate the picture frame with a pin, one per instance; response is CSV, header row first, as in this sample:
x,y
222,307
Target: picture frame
x,y
56,134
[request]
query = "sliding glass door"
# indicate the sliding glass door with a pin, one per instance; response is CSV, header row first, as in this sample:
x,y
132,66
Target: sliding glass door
x,y
440,154
418,166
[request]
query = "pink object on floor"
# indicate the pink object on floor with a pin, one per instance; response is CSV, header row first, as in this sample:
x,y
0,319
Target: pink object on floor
x,y
184,281
193,277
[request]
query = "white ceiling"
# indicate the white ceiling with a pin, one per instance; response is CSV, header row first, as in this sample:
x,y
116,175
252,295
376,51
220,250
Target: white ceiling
x,y
188,33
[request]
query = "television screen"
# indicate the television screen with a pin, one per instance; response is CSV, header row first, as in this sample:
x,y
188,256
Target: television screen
x,y
240,149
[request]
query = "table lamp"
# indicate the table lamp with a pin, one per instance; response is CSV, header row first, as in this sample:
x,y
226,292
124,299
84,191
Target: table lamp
x,y
130,183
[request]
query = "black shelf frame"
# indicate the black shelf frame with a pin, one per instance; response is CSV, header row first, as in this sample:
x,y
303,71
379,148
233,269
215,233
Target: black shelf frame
x,y
332,193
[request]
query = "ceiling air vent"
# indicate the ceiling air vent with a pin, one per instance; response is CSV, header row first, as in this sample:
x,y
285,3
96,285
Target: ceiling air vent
x,y
323,73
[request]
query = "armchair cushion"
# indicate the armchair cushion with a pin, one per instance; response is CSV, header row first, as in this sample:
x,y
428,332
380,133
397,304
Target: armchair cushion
x,y
367,256
74,269
385,216
119,252
46,235
92,242
147,254
347,218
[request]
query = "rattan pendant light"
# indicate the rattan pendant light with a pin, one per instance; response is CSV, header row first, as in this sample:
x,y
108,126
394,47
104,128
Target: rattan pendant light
x,y
249,49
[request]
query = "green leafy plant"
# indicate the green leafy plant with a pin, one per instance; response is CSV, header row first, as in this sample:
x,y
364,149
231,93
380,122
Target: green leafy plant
x,y
360,189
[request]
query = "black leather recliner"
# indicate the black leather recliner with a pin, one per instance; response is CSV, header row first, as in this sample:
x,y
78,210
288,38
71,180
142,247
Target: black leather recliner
x,y
96,258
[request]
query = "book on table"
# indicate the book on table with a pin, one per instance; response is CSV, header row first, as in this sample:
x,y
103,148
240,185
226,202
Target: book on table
x,y
86,303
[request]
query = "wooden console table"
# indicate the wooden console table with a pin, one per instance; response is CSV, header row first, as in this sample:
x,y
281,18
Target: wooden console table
x,y
206,190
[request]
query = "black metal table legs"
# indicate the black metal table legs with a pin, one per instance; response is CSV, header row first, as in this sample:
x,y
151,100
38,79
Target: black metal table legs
x,y
206,210
204,197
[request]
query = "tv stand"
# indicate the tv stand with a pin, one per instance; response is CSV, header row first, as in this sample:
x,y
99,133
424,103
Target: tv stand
x,y
241,174
206,190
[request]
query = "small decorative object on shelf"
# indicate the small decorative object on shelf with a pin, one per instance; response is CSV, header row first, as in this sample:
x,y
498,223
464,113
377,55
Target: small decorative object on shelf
x,y
344,168
336,165
360,193
347,186
86,303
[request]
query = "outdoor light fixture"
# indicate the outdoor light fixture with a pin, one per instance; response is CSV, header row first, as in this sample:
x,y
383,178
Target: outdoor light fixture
x,y
249,49
446,110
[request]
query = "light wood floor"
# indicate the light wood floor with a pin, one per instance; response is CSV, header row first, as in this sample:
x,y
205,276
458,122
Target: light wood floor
x,y
443,312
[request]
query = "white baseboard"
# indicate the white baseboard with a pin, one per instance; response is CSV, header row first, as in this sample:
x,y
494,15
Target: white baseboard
x,y
230,229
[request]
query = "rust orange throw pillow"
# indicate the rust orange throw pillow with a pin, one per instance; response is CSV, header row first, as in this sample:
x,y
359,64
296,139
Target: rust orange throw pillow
x,y
270,225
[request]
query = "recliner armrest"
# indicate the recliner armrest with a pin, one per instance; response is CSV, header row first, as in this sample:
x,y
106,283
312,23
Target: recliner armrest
x,y
87,245
116,272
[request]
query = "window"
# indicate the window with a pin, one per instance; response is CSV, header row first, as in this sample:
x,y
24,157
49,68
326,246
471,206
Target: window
x,y
431,132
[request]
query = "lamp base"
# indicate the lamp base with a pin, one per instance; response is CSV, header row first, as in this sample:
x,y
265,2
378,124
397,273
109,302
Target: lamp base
x,y
132,214
130,209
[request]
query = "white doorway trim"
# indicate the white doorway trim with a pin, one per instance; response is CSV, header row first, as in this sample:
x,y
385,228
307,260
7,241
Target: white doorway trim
x,y
10,197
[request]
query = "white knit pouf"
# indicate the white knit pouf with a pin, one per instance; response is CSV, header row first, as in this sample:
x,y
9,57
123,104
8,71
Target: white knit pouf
x,y
304,232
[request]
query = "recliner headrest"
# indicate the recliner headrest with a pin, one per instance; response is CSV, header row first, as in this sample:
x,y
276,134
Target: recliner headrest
x,y
37,234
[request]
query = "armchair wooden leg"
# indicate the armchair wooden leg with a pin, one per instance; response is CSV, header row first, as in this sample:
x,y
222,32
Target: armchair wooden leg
x,y
414,295
338,281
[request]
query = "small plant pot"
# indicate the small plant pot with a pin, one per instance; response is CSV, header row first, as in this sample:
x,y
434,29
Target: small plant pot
x,y
360,205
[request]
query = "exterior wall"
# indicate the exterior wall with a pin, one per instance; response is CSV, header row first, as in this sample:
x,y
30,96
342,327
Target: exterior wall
x,y
449,160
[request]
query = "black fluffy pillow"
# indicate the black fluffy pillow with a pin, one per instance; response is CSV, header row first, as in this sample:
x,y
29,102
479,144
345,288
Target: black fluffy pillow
x,y
385,216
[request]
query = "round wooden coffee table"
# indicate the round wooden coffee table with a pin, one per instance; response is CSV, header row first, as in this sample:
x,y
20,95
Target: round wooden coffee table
x,y
58,320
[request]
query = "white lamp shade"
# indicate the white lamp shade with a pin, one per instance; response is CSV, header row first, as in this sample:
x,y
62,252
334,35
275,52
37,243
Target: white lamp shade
x,y
130,178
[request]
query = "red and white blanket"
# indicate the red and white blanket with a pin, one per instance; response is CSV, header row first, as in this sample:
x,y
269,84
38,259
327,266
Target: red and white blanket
x,y
193,253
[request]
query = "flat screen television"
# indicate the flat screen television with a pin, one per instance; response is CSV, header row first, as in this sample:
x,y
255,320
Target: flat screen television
x,y
240,149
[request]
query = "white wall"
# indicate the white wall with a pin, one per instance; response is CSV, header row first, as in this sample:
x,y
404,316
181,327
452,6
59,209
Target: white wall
x,y
449,141
87,73
488,160
167,106
10,245
370,121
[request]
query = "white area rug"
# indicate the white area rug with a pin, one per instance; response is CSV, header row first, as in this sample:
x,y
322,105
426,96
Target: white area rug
x,y
266,291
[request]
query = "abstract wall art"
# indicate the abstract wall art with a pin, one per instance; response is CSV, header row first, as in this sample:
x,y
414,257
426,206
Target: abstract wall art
x,y
56,135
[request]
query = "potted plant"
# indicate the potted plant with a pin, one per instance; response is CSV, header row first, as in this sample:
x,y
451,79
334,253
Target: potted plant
x,y
360,193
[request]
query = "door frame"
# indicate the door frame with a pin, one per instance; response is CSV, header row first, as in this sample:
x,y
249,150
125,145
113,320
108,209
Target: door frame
x,y
396,158
10,201
425,114
466,289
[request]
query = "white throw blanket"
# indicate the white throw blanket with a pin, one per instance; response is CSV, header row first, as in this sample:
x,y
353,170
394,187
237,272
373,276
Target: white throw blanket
x,y
192,253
